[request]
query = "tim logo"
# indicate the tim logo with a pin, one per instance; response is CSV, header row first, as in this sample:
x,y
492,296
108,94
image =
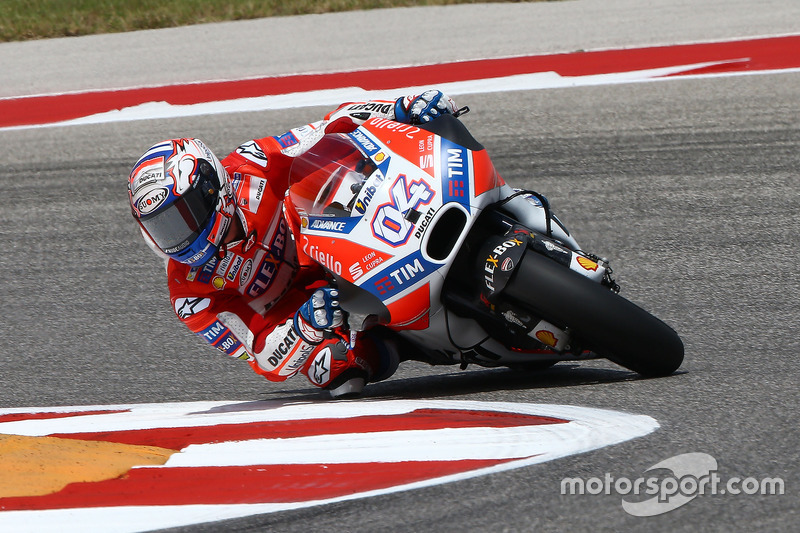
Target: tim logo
x,y
456,171
384,285
389,223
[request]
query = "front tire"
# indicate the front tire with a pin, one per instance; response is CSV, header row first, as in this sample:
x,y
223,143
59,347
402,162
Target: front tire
x,y
599,319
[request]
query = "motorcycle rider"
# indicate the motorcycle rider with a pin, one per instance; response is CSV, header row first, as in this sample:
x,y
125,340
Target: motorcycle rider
x,y
232,268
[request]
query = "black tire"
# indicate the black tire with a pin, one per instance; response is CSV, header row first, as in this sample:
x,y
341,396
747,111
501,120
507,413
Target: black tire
x,y
601,320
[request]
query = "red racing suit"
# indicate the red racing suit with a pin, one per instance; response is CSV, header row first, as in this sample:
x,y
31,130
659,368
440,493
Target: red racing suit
x,y
244,302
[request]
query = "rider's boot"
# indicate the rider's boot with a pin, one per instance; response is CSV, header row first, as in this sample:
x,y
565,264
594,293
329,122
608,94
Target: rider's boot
x,y
373,359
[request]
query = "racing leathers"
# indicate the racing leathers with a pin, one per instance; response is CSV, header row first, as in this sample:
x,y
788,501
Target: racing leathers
x,y
245,301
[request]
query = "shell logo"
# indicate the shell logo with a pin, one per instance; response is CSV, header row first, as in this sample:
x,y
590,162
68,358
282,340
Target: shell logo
x,y
155,466
588,264
547,338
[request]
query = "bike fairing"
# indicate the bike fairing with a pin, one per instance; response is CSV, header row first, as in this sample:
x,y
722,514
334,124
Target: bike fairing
x,y
441,178
401,216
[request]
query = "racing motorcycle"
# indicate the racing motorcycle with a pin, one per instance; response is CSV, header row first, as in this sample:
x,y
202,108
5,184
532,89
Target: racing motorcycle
x,y
423,237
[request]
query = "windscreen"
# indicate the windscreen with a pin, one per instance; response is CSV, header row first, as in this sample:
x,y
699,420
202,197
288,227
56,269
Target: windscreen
x,y
327,178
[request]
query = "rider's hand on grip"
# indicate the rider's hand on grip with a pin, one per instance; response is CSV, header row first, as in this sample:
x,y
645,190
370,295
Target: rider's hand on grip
x,y
319,314
423,108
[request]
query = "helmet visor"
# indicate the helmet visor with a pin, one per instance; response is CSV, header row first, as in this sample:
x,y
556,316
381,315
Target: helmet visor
x,y
178,225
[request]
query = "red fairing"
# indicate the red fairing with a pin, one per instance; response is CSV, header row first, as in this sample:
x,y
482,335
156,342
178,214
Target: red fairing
x,y
486,178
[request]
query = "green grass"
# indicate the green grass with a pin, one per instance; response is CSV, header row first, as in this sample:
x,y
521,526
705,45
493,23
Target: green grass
x,y
37,19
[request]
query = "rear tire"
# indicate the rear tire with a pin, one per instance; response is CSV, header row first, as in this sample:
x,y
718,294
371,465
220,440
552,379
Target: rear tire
x,y
599,319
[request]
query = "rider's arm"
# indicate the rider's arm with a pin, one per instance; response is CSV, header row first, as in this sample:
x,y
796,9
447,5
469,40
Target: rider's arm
x,y
411,109
276,345
224,320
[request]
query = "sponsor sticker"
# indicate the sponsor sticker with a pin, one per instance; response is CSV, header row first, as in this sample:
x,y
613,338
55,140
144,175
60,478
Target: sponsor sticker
x,y
234,270
213,332
367,262
263,277
252,151
400,275
286,140
229,344
498,260
247,268
256,193
587,264
320,370
223,264
147,177
455,172
389,223
367,145
547,338
207,271
335,225
152,200
186,307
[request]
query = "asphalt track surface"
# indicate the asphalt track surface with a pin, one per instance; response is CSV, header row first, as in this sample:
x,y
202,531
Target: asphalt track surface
x,y
688,186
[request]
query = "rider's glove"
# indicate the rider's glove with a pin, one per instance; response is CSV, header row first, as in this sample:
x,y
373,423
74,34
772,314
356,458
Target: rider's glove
x,y
423,108
319,314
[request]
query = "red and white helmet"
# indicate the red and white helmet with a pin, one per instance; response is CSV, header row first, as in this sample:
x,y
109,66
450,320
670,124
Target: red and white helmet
x,y
181,196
